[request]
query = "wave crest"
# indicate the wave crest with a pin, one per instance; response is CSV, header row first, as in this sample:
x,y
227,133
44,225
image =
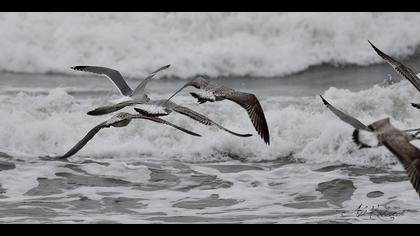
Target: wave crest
x,y
216,44
300,128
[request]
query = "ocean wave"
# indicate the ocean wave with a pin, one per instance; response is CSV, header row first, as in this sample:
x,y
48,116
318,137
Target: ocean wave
x,y
300,128
216,44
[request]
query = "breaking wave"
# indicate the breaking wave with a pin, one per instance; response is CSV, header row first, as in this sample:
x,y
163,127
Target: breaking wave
x,y
216,44
301,128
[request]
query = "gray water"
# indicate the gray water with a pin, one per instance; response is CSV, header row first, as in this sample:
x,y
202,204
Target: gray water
x,y
145,173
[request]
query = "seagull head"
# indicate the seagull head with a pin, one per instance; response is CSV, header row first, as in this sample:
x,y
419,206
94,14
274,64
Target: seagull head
x,y
146,98
120,119
413,136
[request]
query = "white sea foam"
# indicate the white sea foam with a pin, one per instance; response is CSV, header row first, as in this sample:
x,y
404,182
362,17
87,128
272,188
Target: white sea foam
x,y
217,44
299,127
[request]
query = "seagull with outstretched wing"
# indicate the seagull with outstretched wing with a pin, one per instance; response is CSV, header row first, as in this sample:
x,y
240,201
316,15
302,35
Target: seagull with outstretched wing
x,y
146,106
211,92
121,119
362,134
398,143
135,96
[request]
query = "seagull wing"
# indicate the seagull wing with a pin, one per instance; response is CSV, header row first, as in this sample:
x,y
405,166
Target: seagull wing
x,y
110,108
413,171
345,117
416,105
408,155
139,91
402,69
111,74
161,121
204,120
85,140
197,82
253,107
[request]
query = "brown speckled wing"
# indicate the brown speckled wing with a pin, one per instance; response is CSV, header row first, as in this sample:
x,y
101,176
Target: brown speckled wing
x,y
251,104
161,121
84,140
405,71
204,120
409,156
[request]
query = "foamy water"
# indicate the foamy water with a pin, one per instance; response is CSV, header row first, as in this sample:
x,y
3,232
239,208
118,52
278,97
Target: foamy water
x,y
149,173
217,44
146,172
50,123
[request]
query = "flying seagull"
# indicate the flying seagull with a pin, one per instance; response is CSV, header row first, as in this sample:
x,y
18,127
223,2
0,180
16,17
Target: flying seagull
x,y
398,143
403,70
164,107
119,120
211,92
148,107
362,135
135,96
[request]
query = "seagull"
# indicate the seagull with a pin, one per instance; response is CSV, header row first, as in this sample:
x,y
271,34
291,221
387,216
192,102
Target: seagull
x,y
119,120
398,143
164,107
130,96
211,92
362,135
149,108
403,70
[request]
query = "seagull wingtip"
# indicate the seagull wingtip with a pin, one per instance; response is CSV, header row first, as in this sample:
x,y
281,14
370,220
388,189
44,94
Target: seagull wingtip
x,y
193,133
95,112
416,105
374,47
76,67
324,101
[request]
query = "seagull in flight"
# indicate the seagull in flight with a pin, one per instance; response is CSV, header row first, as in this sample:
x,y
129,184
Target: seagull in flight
x,y
146,106
130,96
121,119
211,92
398,143
362,135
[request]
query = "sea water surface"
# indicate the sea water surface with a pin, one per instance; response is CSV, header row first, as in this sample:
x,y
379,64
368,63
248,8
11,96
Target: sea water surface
x,y
148,173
